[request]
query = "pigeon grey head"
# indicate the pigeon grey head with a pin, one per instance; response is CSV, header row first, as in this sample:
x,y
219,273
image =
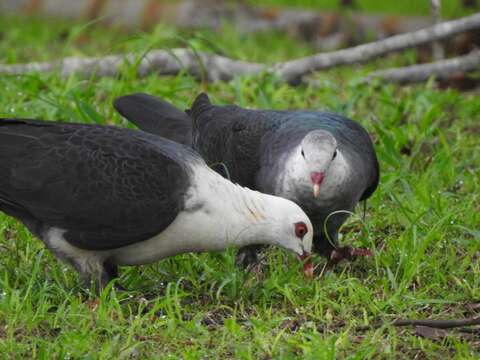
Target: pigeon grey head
x,y
319,149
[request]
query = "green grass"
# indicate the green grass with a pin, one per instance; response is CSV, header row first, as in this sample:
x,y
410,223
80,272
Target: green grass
x,y
449,8
422,223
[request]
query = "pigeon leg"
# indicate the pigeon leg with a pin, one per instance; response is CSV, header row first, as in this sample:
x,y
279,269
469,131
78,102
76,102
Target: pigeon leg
x,y
336,254
347,253
92,270
248,255
322,246
112,271
96,274
92,266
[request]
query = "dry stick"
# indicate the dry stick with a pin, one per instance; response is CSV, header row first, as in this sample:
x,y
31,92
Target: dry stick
x,y
437,324
165,62
216,67
438,51
293,70
442,70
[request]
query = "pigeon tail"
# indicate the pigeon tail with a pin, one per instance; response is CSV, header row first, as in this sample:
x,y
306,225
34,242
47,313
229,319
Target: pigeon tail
x,y
156,116
201,103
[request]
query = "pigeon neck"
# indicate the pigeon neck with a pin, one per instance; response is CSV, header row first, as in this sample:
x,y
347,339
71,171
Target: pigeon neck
x,y
238,216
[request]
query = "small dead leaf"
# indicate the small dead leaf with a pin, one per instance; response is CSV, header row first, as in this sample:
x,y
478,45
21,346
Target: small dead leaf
x,y
473,307
93,304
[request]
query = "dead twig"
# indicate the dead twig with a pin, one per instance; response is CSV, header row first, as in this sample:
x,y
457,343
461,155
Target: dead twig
x,y
442,70
164,62
431,323
438,324
293,70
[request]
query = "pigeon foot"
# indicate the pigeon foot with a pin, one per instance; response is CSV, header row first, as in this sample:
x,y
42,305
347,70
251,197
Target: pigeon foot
x,y
347,253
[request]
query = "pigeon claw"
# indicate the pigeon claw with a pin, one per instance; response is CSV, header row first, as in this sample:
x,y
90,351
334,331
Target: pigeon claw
x,y
347,253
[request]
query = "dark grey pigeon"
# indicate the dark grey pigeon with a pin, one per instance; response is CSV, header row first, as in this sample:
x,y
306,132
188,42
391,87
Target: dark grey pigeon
x,y
101,196
323,161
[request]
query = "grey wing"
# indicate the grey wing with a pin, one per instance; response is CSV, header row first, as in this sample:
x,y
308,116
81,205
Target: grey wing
x,y
106,187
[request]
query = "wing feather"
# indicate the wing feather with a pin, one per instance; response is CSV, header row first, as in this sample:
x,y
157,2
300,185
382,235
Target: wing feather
x,y
107,187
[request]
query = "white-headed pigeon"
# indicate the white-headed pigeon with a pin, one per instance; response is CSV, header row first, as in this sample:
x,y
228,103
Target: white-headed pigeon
x,y
102,196
323,161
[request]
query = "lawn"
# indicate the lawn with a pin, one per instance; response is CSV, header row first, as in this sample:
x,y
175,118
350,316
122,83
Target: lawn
x,y
422,223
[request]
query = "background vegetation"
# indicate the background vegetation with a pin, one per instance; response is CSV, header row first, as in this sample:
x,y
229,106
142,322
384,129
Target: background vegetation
x,y
450,8
422,223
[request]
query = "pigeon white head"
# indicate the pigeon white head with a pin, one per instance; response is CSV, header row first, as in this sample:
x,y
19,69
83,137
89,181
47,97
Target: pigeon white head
x,y
277,221
234,216
319,150
292,227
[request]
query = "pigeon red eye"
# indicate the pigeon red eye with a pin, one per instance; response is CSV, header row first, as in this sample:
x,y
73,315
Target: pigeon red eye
x,y
300,229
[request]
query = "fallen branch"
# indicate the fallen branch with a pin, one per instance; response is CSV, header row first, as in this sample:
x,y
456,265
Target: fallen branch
x,y
215,67
165,62
437,324
442,70
292,71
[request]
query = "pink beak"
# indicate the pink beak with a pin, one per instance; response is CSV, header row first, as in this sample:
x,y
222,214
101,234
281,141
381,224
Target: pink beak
x,y
307,265
317,179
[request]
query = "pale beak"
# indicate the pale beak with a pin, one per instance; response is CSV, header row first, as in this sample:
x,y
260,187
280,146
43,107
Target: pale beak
x,y
317,179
